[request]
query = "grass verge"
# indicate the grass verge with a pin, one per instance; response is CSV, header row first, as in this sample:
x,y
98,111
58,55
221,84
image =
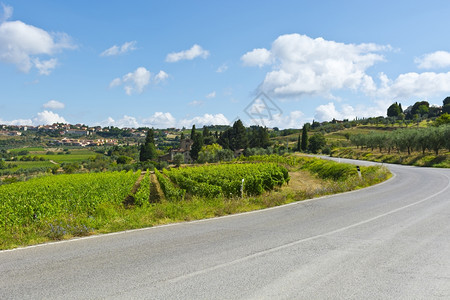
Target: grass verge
x,y
429,159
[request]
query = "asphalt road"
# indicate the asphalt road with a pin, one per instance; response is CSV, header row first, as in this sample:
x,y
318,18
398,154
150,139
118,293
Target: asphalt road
x,y
390,241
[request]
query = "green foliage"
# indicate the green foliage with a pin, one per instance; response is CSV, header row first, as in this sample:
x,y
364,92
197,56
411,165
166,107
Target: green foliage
x,y
170,191
238,137
197,145
446,101
394,110
148,149
304,144
442,120
142,195
316,142
178,159
70,168
409,139
226,180
48,198
446,108
329,169
124,159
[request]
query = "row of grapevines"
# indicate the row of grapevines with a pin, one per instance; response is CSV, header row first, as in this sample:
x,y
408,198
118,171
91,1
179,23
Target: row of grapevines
x,y
170,191
227,179
325,169
275,158
202,189
53,196
143,193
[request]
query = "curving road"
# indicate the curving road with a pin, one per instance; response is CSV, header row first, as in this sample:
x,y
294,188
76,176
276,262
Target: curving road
x,y
390,241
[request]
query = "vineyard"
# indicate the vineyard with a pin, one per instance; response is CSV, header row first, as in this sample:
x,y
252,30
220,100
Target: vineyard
x,y
229,180
63,206
46,198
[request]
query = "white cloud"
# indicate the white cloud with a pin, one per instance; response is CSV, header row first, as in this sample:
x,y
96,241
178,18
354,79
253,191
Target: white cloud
x,y
435,60
135,82
117,50
419,85
211,95
45,67
206,119
53,104
115,82
190,54
328,112
160,120
47,118
161,76
295,119
305,66
257,57
7,12
124,122
22,44
196,103
222,68
17,122
128,122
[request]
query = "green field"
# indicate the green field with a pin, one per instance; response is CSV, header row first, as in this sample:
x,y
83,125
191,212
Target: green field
x,y
30,149
74,156
31,164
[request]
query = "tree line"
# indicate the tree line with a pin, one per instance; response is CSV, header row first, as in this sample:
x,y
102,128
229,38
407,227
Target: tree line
x,y
420,109
406,140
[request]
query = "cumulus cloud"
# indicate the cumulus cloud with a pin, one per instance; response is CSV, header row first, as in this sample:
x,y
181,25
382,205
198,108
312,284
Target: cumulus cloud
x,y
328,112
47,117
295,119
53,104
160,120
257,57
135,82
124,122
305,66
22,44
420,85
161,76
211,95
190,54
117,50
435,60
206,119
46,66
17,122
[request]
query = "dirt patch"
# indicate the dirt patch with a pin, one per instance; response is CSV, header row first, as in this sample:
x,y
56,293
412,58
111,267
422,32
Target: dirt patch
x,y
302,181
129,200
156,194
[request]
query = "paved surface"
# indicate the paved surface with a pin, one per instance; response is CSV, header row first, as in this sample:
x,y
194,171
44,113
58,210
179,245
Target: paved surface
x,y
391,241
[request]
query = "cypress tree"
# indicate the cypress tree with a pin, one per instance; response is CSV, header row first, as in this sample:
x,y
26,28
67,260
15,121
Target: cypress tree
x,y
304,144
239,139
148,149
197,145
193,132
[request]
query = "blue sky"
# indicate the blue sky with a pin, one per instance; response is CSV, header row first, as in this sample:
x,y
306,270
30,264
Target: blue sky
x,y
175,63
